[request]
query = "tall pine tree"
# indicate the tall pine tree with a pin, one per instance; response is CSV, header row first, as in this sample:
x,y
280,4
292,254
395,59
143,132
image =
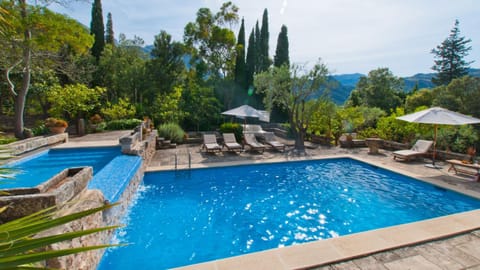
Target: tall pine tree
x,y
281,53
279,114
449,55
97,29
240,66
258,49
251,59
265,61
110,37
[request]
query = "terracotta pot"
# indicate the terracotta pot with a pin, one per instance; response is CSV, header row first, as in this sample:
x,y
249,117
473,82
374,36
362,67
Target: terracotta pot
x,y
57,130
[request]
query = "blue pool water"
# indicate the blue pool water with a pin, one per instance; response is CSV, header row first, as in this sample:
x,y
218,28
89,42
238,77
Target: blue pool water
x,y
181,218
38,168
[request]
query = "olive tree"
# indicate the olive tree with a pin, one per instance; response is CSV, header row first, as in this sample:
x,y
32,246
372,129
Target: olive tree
x,y
295,90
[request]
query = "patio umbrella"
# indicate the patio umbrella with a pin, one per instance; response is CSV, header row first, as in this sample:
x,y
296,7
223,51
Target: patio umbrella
x,y
245,111
438,116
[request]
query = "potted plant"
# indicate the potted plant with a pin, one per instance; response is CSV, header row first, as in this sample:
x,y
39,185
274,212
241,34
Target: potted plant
x,y
95,122
56,126
348,127
471,152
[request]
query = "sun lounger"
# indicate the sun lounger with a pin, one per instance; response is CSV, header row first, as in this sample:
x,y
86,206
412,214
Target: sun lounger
x,y
270,140
420,148
254,129
210,143
252,142
231,143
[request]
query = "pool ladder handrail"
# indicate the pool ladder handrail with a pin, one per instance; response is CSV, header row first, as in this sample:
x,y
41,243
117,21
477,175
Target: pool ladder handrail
x,y
189,160
176,160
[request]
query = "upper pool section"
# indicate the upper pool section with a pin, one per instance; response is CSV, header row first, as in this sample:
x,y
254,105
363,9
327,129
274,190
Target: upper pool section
x,y
38,168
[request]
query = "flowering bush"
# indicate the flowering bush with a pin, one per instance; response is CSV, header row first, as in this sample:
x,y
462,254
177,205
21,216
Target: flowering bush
x,y
96,119
54,122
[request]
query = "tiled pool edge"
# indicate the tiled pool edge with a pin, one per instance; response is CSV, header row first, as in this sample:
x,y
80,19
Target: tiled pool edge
x,y
347,247
114,215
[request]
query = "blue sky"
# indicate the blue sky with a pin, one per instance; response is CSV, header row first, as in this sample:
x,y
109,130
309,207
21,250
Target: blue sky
x,y
348,35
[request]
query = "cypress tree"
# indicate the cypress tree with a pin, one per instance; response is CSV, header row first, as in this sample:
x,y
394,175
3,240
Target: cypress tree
x,y
97,29
281,53
258,49
240,65
450,63
110,37
250,65
263,43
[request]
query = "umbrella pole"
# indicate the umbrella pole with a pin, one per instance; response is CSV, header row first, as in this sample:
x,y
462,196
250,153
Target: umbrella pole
x,y
434,150
434,145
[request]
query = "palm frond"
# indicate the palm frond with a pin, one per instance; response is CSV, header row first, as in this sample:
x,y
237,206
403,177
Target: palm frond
x,y
18,245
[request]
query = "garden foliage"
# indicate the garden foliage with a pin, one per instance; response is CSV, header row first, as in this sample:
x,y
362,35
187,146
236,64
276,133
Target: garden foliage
x,y
172,132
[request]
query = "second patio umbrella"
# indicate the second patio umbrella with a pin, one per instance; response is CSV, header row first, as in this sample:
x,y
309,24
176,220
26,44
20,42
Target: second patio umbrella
x,y
245,111
438,116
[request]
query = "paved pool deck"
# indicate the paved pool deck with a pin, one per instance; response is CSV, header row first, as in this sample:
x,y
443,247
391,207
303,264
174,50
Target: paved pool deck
x,y
451,242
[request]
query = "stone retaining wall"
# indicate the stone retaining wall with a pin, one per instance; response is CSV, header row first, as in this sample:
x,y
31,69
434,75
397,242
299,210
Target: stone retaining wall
x,y
56,191
94,198
34,143
68,190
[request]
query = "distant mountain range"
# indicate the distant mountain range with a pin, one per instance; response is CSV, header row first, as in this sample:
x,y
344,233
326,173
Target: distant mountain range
x,y
347,82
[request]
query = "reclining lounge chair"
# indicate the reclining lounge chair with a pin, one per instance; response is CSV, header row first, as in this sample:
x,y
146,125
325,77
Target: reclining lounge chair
x,y
254,129
252,142
270,140
231,143
210,143
420,148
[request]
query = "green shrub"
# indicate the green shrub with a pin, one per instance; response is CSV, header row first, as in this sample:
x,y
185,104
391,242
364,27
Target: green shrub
x,y
97,128
40,130
456,138
123,109
172,132
368,133
390,128
7,140
123,124
234,128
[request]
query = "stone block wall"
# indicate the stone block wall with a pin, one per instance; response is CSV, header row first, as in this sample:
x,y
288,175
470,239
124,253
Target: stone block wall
x,y
88,199
34,143
59,189
94,198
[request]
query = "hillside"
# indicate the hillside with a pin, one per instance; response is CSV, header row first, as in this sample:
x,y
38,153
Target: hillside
x,y
347,82
422,80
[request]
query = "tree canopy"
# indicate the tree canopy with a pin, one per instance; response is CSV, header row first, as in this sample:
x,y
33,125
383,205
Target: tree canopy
x,y
97,29
33,40
379,89
209,41
263,44
293,89
450,56
281,52
240,65
110,36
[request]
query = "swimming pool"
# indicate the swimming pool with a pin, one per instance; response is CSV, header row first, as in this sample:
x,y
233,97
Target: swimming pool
x,y
38,168
186,217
